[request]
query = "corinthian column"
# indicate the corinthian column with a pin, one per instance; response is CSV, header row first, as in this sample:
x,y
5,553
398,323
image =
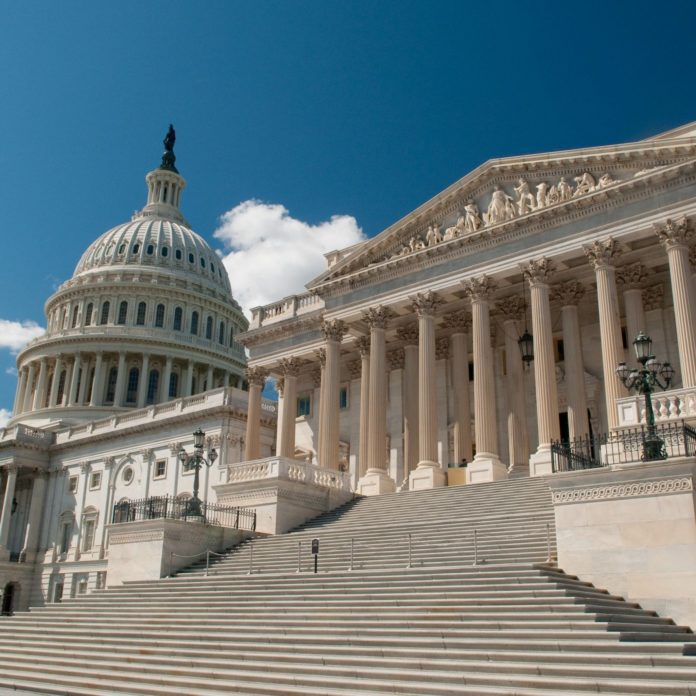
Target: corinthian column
x,y
285,439
632,279
329,404
429,474
256,377
568,295
460,323
675,237
376,480
409,335
486,465
601,255
364,349
28,392
75,381
512,308
6,514
57,369
21,389
40,394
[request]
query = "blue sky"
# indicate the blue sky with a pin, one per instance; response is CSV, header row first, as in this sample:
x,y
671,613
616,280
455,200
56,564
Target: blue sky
x,y
318,109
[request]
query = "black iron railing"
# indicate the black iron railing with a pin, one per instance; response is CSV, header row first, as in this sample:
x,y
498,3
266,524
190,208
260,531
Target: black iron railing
x,y
621,447
165,506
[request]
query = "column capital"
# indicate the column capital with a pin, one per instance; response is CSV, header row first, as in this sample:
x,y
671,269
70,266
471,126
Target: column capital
x,y
442,348
511,307
12,467
653,297
632,275
321,356
396,359
363,346
460,321
538,271
602,252
673,233
425,304
408,333
568,294
333,330
378,317
290,366
257,376
280,385
479,289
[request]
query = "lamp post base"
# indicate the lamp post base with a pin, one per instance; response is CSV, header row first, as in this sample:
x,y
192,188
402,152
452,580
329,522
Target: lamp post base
x,y
653,448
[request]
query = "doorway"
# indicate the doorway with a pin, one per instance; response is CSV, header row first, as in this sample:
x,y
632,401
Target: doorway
x,y
8,599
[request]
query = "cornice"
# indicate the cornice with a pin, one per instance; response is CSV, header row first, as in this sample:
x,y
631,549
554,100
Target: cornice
x,y
295,324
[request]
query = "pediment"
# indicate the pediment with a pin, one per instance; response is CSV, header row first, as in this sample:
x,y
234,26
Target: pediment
x,y
509,192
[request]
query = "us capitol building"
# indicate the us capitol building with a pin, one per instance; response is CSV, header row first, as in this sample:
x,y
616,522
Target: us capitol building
x,y
400,363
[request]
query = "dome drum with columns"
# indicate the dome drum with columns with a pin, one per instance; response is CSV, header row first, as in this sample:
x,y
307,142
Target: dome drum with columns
x,y
148,316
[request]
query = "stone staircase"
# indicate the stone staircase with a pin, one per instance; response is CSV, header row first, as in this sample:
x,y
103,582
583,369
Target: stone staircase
x,y
511,624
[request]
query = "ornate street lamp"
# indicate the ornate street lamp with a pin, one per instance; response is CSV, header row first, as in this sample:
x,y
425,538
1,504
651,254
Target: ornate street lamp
x,y
644,381
196,461
526,344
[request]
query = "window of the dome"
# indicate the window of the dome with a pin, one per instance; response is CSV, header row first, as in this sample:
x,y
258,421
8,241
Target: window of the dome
x,y
140,318
177,254
122,248
122,312
132,392
212,267
191,258
173,385
136,248
194,323
209,328
111,385
104,318
165,251
88,314
202,262
177,319
221,333
152,386
231,336
150,249
73,322
159,316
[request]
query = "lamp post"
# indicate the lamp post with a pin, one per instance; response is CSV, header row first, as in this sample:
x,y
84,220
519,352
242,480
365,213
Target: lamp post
x,y
196,461
652,374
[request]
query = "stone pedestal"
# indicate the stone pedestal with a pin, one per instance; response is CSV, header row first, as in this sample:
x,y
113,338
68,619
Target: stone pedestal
x,y
485,468
375,482
540,463
284,492
426,476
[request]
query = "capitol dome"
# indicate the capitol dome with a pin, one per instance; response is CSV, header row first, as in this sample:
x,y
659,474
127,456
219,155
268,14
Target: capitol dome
x,y
147,316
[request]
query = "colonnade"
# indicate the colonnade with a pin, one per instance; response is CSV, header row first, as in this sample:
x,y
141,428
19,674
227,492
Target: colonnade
x,y
419,364
122,378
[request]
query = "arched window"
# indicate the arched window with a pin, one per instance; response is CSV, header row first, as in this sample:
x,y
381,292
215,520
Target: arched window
x,y
165,251
152,386
88,314
159,316
177,254
132,392
105,312
63,316
122,312
89,527
111,385
88,386
194,323
177,319
190,258
209,328
173,385
221,333
140,318
150,249
61,388
73,323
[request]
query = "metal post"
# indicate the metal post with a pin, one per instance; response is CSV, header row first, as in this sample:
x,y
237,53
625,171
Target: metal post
x,y
251,559
409,550
299,556
207,561
351,554
548,543
475,548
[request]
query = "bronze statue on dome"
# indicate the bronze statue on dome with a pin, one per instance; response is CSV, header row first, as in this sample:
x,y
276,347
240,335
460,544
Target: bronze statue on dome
x,y
168,157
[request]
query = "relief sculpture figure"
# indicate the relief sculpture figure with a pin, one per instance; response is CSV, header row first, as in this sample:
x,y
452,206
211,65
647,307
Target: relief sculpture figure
x,y
472,221
501,207
525,199
542,194
585,184
433,235
565,192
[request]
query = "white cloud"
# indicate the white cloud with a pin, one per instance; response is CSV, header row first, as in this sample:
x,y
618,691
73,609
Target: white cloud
x,y
270,254
12,371
5,415
15,334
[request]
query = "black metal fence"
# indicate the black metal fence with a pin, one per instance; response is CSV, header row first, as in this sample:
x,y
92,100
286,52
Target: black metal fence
x,y
165,506
621,447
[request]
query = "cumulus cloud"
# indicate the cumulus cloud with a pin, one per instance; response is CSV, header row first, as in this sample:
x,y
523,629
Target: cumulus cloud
x,y
12,371
5,415
15,334
269,254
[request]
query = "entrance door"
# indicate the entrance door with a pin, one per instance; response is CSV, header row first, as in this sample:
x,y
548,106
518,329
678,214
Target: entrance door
x,y
565,428
8,599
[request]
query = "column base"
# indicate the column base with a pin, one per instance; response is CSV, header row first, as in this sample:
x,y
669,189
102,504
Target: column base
x,y
427,475
375,482
540,463
485,468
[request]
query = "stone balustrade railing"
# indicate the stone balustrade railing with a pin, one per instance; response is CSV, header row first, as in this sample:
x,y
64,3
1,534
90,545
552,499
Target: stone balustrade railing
x,y
27,435
288,307
671,405
289,470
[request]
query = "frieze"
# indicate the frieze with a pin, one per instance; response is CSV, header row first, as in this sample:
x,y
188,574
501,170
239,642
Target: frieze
x,y
632,275
408,333
568,294
460,321
638,489
653,297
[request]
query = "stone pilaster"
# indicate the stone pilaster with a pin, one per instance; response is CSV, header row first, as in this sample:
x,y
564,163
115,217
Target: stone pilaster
x,y
98,381
29,390
31,536
329,415
121,380
429,473
256,377
376,480
167,378
75,381
285,439
675,237
57,369
538,273
512,308
568,295
144,380
601,255
486,465
40,393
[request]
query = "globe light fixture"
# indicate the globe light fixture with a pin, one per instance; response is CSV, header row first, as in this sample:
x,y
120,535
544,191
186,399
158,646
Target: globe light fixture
x,y
196,461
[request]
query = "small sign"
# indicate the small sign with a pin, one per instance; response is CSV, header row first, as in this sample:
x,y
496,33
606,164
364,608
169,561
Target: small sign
x,y
315,546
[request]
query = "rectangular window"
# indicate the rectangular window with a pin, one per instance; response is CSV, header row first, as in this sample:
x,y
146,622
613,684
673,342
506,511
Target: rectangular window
x,y
65,534
82,586
58,590
95,480
72,484
343,398
304,406
160,469
88,534
101,580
